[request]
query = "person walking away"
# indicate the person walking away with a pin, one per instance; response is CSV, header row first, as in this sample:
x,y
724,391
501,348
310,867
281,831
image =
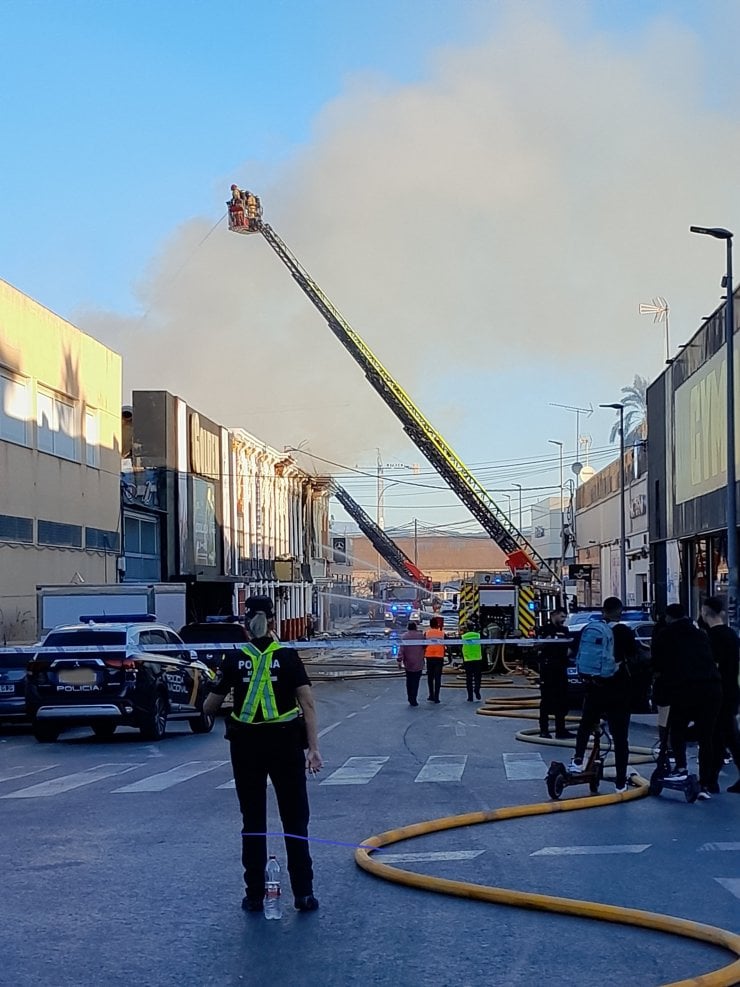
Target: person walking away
x,y
606,641
265,734
554,677
435,657
411,658
684,660
472,654
726,650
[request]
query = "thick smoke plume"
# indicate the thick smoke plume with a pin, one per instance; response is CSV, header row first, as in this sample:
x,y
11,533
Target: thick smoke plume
x,y
503,215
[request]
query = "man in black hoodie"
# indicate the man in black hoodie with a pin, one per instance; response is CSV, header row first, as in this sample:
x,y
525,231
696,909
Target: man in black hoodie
x,y
682,657
726,650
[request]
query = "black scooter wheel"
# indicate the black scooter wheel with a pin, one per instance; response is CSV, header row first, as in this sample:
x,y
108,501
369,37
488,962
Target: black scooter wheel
x,y
555,782
656,783
692,789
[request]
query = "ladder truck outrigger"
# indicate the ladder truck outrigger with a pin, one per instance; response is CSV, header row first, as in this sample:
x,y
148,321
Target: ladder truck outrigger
x,y
404,600
532,578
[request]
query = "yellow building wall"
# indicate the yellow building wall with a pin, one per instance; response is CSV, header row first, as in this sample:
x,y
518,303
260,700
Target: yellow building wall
x,y
51,355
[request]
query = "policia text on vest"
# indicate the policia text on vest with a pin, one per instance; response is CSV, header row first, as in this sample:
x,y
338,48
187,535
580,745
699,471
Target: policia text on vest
x,y
266,737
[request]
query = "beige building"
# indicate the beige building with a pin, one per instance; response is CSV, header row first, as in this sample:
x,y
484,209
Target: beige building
x,y
60,458
444,558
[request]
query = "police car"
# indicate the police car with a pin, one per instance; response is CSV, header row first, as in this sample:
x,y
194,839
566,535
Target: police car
x,y
125,682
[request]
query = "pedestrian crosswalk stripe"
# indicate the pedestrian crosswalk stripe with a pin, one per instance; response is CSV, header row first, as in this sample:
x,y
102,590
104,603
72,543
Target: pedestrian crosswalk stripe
x,y
443,767
232,784
55,786
175,776
12,774
720,846
732,884
572,851
356,771
524,767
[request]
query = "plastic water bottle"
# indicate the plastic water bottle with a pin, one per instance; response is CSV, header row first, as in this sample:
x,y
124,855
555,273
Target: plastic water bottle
x,y
273,906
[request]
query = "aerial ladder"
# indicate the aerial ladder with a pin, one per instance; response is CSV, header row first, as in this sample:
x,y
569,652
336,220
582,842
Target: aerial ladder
x,y
381,542
245,216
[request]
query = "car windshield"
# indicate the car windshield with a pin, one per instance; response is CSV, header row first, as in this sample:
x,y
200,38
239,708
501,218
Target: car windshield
x,y
405,594
83,638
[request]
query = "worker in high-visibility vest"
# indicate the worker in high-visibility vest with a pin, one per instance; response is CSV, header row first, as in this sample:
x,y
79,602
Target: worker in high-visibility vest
x,y
268,737
472,654
435,656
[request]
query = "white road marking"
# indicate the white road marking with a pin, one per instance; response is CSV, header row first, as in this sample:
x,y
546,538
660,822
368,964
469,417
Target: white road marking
x,y
397,858
366,706
232,784
55,786
732,884
350,715
356,771
322,733
459,729
575,851
166,779
524,767
443,767
720,846
10,774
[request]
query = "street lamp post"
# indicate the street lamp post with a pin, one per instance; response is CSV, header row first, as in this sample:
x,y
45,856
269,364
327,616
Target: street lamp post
x,y
508,497
555,442
731,503
519,488
622,534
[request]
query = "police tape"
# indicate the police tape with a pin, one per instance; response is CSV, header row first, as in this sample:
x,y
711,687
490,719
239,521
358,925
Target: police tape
x,y
338,644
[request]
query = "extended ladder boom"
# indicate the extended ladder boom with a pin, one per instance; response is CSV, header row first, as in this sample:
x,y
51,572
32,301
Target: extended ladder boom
x,y
381,542
520,554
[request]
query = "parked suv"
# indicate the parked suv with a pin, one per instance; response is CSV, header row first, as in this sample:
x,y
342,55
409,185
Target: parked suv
x,y
122,683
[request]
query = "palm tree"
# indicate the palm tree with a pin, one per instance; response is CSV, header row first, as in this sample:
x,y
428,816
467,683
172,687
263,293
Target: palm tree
x,y
635,412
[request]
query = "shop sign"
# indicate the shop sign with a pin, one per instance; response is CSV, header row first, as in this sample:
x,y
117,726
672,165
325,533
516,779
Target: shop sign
x,y
204,449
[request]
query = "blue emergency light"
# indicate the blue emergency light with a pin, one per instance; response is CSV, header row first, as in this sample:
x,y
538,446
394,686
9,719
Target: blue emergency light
x,y
118,618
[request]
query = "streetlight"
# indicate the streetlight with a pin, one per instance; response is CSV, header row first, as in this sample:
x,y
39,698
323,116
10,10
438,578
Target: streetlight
x,y
554,442
622,536
508,497
519,487
731,509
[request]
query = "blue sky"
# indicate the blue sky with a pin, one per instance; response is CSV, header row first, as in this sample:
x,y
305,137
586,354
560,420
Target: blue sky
x,y
124,120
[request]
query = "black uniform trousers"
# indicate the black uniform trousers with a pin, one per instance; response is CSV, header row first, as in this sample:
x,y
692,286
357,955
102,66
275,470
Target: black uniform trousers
x,y
473,674
275,750
554,702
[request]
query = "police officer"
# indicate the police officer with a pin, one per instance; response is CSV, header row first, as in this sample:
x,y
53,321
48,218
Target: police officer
x,y
266,736
472,654
554,677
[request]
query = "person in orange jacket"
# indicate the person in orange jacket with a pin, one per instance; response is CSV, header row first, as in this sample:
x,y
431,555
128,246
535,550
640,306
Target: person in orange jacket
x,y
435,656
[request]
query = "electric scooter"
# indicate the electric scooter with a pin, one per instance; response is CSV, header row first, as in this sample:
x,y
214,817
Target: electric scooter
x,y
558,776
658,780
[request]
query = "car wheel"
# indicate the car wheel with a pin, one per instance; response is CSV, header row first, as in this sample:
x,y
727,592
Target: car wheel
x,y
104,731
45,733
202,724
154,723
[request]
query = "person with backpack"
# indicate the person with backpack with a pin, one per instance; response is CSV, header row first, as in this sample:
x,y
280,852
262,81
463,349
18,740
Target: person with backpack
x,y
683,658
604,650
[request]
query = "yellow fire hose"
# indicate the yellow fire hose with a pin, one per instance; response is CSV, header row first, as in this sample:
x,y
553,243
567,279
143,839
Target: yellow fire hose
x,y
727,976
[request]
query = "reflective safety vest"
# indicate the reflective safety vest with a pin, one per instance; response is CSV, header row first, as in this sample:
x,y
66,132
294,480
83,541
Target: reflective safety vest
x,y
471,651
260,694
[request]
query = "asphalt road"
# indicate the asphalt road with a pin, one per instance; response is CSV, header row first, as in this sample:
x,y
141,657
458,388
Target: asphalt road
x,y
121,861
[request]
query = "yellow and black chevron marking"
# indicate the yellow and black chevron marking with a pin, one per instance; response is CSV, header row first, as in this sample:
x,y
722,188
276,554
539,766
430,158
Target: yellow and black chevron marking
x,y
525,616
468,603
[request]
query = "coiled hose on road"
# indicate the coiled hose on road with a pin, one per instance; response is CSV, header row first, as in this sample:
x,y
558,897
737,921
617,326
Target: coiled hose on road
x,y
727,976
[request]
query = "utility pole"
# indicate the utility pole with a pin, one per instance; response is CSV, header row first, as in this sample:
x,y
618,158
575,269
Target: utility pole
x,y
586,412
555,442
416,541
519,487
